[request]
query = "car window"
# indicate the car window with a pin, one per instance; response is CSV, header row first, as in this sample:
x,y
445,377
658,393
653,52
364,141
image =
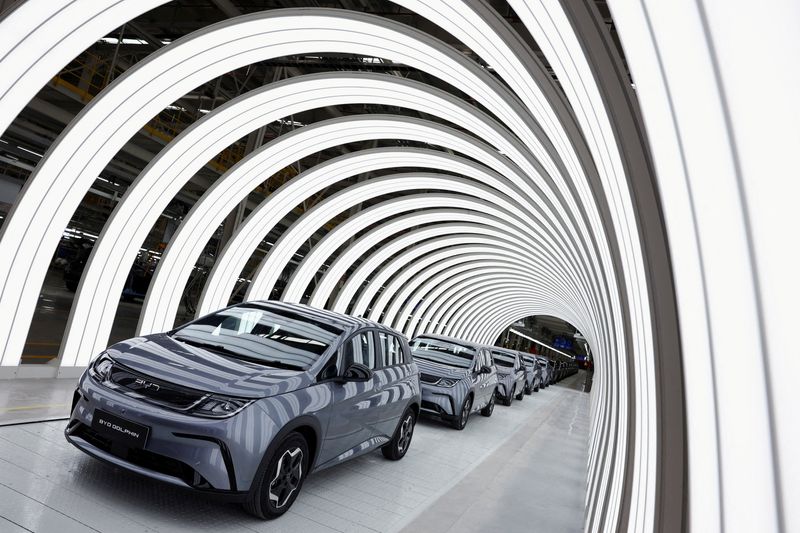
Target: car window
x,y
359,349
443,351
502,359
391,349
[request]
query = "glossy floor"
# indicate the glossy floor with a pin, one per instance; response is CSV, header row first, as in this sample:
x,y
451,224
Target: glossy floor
x,y
523,469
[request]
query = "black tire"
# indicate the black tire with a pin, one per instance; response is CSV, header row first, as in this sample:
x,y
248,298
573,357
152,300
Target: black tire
x,y
507,400
536,388
396,448
460,421
489,407
521,396
279,483
528,389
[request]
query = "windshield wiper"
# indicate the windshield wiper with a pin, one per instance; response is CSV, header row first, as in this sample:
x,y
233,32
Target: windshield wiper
x,y
230,353
209,345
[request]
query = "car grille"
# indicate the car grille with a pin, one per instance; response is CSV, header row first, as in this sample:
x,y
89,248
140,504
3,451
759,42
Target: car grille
x,y
427,378
152,390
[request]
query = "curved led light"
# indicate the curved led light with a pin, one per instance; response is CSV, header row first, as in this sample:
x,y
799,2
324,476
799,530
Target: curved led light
x,y
197,227
426,288
341,234
39,37
427,251
92,313
62,177
265,216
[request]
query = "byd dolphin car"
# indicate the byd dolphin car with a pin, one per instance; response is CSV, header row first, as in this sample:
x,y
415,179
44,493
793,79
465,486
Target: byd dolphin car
x,y
457,378
249,400
510,375
533,374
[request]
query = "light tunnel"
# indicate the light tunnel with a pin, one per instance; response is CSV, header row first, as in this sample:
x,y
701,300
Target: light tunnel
x,y
617,165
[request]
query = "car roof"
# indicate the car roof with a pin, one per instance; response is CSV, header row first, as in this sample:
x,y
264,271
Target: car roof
x,y
344,322
473,345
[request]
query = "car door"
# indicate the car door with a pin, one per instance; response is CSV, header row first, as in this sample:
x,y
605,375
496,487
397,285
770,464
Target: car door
x,y
394,380
483,391
352,415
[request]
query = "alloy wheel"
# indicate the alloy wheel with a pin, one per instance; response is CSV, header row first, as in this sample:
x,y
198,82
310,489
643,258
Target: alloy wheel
x,y
406,431
288,474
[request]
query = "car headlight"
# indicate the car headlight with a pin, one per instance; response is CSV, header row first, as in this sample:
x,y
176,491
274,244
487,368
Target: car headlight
x,y
216,406
447,382
101,367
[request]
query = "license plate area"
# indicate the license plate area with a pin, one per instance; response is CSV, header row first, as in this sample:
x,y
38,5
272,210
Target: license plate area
x,y
120,430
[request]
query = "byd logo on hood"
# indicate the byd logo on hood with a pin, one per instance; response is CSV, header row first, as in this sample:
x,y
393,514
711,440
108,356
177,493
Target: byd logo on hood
x,y
147,384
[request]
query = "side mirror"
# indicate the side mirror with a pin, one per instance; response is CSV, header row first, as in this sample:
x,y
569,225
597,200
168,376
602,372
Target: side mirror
x,y
485,370
356,372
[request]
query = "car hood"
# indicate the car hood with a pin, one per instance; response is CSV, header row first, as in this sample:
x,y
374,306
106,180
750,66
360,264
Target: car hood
x,y
165,359
440,370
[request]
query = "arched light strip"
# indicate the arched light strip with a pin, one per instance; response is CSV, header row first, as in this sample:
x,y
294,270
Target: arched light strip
x,y
506,200
511,284
406,261
266,215
39,37
485,32
552,28
721,165
314,260
249,172
92,313
423,300
52,194
427,239
437,289
198,226
498,323
483,299
394,306
438,294
420,292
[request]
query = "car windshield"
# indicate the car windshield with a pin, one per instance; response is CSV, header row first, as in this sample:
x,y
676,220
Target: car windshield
x,y
272,337
502,359
444,352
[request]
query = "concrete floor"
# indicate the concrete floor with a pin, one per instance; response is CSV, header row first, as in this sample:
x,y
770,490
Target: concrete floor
x,y
27,400
523,469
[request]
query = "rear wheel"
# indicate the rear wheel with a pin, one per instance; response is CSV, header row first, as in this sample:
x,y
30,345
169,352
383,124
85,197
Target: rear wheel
x,y
461,421
489,408
280,483
396,448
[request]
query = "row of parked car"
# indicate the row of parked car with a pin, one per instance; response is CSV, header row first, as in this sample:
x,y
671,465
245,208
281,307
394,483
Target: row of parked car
x,y
246,402
458,378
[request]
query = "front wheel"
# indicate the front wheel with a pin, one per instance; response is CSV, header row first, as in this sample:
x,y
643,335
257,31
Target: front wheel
x,y
528,389
521,395
507,399
489,408
460,422
280,483
396,448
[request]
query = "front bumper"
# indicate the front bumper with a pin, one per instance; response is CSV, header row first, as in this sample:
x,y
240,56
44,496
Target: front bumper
x,y
438,401
182,450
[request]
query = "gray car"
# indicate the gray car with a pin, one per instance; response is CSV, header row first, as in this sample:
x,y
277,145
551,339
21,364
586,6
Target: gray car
x,y
510,375
533,374
457,378
547,371
247,401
